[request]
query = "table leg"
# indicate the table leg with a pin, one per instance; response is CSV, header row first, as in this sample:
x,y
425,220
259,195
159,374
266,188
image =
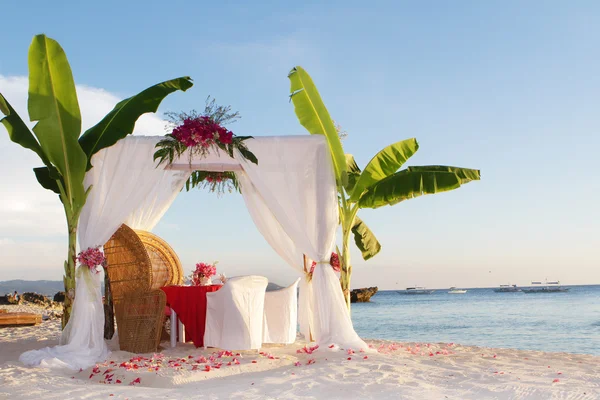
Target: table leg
x,y
181,333
174,320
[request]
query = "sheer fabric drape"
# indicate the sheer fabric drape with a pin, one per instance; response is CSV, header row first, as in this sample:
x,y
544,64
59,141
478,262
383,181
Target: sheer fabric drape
x,y
126,186
291,196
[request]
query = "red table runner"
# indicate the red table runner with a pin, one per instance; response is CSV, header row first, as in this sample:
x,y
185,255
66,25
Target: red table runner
x,y
189,302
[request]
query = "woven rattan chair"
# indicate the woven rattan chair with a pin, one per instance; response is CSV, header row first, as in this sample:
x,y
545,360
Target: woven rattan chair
x,y
139,263
166,267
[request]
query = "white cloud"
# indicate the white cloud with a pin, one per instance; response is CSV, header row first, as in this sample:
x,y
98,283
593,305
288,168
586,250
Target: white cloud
x,y
26,209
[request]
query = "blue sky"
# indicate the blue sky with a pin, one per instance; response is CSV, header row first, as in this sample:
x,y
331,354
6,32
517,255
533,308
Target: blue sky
x,y
509,87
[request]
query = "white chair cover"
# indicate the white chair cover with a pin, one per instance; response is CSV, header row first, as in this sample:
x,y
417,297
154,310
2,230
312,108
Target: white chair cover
x,y
234,314
281,315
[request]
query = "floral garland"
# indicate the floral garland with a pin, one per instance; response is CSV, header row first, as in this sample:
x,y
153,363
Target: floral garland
x,y
93,258
219,182
334,261
198,135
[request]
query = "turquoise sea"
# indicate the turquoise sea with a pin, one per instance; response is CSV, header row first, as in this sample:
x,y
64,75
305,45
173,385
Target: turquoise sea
x,y
557,322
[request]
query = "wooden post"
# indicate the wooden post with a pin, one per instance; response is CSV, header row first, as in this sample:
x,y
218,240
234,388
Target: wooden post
x,y
306,272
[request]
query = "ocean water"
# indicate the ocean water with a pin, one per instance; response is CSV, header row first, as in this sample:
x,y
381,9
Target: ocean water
x,y
557,322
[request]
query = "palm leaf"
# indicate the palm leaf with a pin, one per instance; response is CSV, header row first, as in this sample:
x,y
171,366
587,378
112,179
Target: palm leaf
x,y
414,182
42,175
18,131
120,122
353,173
465,175
365,240
384,164
53,103
313,116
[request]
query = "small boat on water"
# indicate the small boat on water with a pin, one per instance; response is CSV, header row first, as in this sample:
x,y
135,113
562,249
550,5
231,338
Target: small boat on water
x,y
416,290
550,287
454,290
507,289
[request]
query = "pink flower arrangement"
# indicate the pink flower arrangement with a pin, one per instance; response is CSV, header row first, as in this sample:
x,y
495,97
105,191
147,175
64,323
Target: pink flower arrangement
x,y
203,270
93,258
202,131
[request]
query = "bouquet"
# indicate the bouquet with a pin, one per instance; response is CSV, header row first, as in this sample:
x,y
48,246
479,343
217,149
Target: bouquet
x,y
93,258
201,275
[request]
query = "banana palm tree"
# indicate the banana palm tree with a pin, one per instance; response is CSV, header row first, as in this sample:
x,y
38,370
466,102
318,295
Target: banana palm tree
x,y
380,183
56,136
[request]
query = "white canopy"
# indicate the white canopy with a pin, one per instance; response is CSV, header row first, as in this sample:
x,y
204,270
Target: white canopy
x,y
291,195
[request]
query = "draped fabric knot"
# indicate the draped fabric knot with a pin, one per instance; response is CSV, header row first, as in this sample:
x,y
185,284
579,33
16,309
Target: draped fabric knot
x,y
334,261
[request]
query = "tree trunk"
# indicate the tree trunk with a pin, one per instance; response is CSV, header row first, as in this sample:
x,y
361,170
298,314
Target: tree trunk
x,y
69,277
109,311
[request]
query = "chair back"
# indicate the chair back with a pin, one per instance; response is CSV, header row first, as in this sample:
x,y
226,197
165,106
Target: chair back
x,y
281,315
166,267
234,316
129,268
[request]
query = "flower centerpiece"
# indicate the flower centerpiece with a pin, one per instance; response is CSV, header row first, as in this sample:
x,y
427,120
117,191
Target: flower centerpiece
x,y
202,274
198,134
93,258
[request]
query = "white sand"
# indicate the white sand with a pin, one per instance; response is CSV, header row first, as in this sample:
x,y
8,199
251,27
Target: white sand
x,y
395,371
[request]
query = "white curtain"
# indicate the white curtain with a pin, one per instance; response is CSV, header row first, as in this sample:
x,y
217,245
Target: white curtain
x,y
126,186
292,197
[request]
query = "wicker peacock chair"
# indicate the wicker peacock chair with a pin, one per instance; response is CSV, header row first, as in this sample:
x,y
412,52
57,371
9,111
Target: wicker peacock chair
x,y
139,263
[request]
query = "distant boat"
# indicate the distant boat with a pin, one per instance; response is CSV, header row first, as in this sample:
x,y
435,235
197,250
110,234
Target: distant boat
x,y
550,287
416,290
454,290
507,289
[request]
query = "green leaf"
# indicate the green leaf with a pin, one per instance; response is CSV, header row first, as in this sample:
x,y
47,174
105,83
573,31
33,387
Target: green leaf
x,y
19,132
365,239
414,182
313,115
120,122
465,175
384,164
53,103
43,176
353,173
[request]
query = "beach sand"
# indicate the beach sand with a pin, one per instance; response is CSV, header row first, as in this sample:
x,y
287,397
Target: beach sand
x,y
389,371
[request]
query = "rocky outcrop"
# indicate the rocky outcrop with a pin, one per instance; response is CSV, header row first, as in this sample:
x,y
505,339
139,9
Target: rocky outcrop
x,y
59,297
38,299
362,295
8,300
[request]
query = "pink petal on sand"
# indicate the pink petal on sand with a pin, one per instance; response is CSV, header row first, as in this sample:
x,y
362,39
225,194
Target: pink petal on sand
x,y
207,368
254,361
365,357
136,380
556,380
297,364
